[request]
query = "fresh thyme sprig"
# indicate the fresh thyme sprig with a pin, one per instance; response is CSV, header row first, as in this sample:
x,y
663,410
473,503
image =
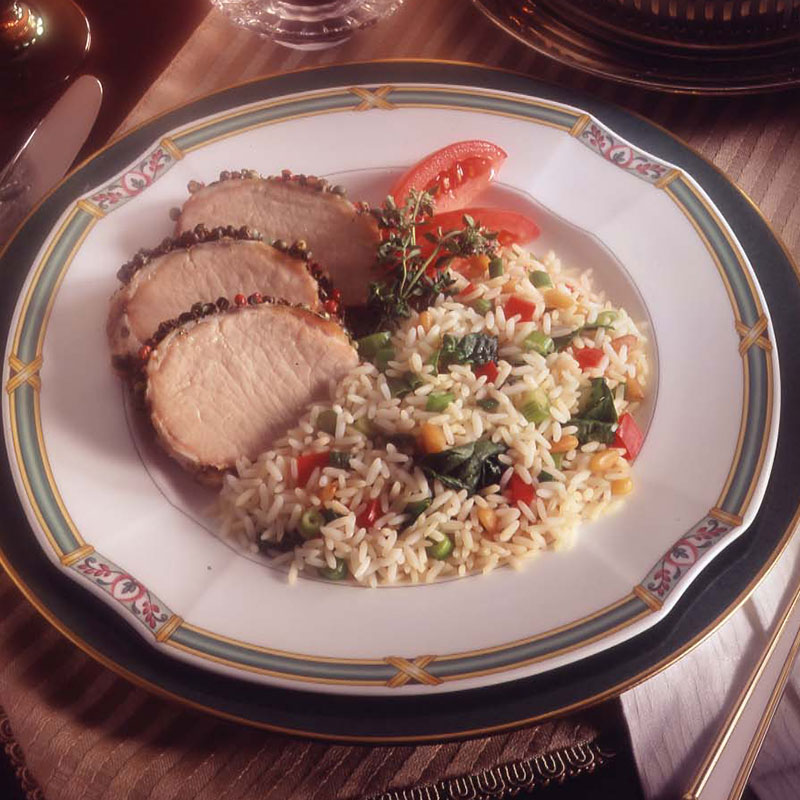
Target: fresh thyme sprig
x,y
415,276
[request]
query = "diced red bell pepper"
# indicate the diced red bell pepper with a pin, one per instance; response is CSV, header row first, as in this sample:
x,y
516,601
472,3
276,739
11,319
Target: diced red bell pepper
x,y
489,369
308,462
366,519
517,306
588,357
628,436
521,491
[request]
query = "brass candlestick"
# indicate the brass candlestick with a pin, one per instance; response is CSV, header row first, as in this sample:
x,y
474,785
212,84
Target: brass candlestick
x,y
42,43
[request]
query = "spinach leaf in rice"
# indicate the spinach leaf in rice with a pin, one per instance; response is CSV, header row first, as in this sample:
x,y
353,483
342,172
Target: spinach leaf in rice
x,y
597,421
471,466
476,349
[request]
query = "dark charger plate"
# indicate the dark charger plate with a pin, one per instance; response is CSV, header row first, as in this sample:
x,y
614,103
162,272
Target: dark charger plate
x,y
723,585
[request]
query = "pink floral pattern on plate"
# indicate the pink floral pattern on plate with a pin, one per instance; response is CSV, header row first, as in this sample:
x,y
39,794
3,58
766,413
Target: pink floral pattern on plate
x,y
621,153
125,589
682,556
134,181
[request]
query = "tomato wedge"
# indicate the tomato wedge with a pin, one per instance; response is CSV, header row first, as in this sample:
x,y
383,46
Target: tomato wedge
x,y
460,171
628,436
512,228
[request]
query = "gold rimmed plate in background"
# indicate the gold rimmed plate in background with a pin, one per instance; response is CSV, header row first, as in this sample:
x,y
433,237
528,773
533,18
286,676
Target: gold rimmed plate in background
x,y
618,42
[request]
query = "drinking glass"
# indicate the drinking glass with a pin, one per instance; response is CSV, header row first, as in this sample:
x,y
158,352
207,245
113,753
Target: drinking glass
x,y
307,24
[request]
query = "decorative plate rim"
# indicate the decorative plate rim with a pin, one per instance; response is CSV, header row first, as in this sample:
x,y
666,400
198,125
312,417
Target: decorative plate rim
x,y
651,595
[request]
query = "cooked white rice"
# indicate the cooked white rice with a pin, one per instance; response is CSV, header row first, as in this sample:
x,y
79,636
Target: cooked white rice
x,y
261,504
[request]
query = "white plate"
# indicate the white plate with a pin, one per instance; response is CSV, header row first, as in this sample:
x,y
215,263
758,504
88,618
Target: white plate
x,y
121,520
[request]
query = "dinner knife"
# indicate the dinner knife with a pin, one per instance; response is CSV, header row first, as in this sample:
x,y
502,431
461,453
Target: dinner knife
x,y
48,152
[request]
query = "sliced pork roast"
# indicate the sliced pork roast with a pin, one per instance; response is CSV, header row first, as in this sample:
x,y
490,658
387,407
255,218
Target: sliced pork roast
x,y
229,383
203,265
341,236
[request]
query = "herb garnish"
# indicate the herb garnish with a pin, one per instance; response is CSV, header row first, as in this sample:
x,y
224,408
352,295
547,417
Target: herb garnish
x,y
597,421
471,466
415,276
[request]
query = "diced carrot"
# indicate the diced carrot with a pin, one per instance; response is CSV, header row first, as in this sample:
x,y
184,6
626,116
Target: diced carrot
x,y
628,340
633,390
327,492
432,438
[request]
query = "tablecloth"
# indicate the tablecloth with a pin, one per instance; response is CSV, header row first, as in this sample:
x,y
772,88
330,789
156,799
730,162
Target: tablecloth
x,y
83,729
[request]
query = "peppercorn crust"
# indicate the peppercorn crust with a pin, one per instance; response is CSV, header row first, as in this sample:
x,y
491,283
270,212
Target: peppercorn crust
x,y
342,235
201,265
222,381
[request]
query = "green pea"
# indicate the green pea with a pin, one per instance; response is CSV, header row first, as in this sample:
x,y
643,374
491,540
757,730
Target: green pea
x,y
539,342
441,549
482,305
326,421
338,573
545,477
540,279
489,404
438,401
496,267
310,523
606,318
368,346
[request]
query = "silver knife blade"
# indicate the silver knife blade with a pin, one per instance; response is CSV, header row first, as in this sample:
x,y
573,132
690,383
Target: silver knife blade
x,y
48,152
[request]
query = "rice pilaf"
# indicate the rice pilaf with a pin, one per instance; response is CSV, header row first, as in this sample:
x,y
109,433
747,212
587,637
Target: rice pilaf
x,y
363,503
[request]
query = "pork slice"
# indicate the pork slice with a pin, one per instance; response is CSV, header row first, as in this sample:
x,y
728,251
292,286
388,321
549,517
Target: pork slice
x,y
231,383
170,283
340,235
